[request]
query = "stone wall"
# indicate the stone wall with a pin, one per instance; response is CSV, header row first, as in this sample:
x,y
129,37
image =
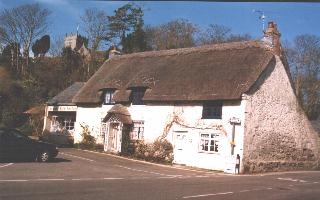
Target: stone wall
x,y
278,136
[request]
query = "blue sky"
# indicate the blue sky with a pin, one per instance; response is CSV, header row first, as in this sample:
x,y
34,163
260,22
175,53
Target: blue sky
x,y
292,18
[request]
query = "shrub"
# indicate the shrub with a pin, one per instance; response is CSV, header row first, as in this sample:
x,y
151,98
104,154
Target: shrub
x,y
88,141
158,151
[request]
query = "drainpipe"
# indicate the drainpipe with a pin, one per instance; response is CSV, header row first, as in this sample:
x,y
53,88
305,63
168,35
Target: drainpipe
x,y
234,121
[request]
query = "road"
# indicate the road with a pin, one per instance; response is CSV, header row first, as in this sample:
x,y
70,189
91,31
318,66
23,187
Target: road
x,y
76,174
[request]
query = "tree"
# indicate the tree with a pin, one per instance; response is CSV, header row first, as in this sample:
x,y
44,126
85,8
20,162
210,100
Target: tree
x,y
124,21
10,56
216,34
96,23
22,25
304,60
174,34
135,41
56,46
41,46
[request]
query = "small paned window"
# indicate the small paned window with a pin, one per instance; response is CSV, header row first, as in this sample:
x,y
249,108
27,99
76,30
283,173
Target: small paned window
x,y
108,97
212,110
209,142
137,95
137,132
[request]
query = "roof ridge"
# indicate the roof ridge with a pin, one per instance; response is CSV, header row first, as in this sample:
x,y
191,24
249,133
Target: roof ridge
x,y
187,50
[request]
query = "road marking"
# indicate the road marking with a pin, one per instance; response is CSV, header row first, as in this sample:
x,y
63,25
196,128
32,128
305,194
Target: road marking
x,y
113,178
293,180
6,165
78,157
139,170
49,179
82,179
13,180
206,195
156,164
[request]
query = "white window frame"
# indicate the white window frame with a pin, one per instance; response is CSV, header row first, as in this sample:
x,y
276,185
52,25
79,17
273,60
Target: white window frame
x,y
209,142
137,132
108,97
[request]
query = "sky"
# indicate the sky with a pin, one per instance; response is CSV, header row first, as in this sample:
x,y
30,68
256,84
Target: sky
x,y
292,18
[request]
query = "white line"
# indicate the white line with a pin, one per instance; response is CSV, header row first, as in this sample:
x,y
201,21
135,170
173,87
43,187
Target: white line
x,y
13,180
315,182
49,179
113,178
6,165
139,170
206,195
78,157
82,179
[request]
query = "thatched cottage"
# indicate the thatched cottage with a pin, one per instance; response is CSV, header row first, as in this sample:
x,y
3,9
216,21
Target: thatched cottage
x,y
214,103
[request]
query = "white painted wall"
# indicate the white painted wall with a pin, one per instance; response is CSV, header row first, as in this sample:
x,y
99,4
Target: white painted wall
x,y
91,117
156,117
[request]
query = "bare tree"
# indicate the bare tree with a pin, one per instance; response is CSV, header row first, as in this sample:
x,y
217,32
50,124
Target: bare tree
x,y
56,46
22,25
175,34
304,60
216,33
96,25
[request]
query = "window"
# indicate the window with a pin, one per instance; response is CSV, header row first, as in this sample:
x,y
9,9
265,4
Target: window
x,y
137,95
59,123
212,110
209,142
68,124
108,97
137,130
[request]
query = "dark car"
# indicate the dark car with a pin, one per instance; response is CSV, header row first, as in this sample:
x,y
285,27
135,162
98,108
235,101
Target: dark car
x,y
16,146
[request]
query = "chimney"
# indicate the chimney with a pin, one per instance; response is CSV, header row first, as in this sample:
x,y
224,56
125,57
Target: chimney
x,y
272,38
113,52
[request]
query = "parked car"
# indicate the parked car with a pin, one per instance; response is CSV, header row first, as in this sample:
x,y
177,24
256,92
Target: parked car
x,y
59,138
16,146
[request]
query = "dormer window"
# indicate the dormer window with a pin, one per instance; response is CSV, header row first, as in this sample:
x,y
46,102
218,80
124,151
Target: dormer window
x,y
108,96
212,110
136,95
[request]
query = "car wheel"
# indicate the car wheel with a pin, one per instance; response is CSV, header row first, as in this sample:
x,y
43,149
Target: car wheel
x,y
44,156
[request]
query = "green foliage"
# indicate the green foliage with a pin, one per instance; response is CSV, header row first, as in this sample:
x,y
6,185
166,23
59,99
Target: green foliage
x,y
125,20
135,41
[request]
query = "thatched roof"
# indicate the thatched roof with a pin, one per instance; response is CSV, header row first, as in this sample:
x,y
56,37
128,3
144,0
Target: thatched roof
x,y
120,112
65,97
211,72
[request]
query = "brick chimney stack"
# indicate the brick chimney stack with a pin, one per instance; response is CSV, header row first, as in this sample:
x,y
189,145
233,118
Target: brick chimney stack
x,y
272,38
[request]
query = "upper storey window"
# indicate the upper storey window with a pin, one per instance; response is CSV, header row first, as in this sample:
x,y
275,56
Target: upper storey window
x,y
212,110
136,95
108,96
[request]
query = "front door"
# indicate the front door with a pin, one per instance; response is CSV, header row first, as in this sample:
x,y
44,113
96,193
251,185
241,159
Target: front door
x,y
180,150
113,136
